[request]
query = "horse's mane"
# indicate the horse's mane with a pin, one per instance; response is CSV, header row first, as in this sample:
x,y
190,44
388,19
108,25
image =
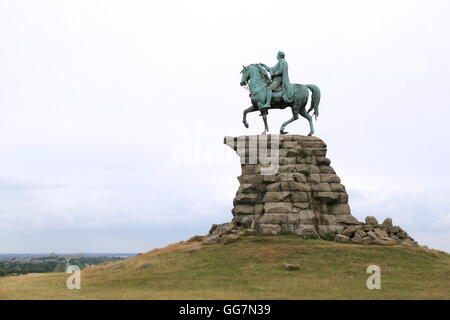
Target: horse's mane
x,y
263,74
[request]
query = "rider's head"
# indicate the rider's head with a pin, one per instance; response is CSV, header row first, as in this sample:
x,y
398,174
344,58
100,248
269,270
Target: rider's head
x,y
280,55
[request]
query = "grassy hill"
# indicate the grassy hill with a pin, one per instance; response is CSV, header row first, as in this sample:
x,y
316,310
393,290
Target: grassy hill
x,y
251,268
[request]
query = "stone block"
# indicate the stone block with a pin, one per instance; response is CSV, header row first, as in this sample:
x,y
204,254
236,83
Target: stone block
x,y
289,168
367,228
273,218
341,238
346,219
329,178
288,160
258,209
251,178
288,144
339,208
274,187
323,161
372,221
342,198
284,177
276,196
314,178
321,152
302,168
380,233
387,223
269,229
307,160
251,188
326,197
313,144
361,233
243,209
299,196
287,228
372,235
247,169
337,187
293,186
293,218
327,229
270,178
277,207
299,177
328,219
244,221
307,216
294,152
349,231
305,230
246,198
299,206
320,187
327,169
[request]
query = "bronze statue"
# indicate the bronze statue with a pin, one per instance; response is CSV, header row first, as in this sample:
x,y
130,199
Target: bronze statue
x,y
276,92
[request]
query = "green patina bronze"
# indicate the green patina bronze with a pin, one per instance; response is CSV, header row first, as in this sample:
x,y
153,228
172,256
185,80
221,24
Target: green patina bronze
x,y
276,92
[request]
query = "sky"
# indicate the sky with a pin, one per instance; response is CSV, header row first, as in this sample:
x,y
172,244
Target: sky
x,y
113,113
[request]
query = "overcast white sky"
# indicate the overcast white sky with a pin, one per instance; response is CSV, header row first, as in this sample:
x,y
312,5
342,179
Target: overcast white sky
x,y
113,113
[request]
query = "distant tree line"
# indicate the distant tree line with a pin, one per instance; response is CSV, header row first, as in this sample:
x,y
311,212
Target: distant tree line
x,y
48,264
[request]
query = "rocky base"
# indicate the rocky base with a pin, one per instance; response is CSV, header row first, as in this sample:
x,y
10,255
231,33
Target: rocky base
x,y
373,233
287,186
300,194
370,232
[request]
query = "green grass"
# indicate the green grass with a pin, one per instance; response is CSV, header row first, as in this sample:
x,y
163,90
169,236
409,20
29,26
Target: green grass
x,y
252,268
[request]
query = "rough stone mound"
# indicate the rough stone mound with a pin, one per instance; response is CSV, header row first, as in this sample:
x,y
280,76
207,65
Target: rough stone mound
x,y
287,186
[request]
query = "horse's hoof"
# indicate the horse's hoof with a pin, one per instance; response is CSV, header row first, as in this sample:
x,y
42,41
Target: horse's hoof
x,y
246,124
310,134
283,132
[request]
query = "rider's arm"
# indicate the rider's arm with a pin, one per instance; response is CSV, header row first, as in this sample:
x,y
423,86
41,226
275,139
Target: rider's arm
x,y
277,70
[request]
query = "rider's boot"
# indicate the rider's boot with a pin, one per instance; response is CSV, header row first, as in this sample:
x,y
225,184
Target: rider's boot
x,y
268,100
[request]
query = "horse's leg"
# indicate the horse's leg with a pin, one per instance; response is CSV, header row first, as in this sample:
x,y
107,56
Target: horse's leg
x,y
306,115
260,100
264,115
249,109
294,117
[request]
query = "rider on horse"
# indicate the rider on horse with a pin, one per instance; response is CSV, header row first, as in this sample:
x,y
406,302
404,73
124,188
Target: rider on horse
x,y
281,87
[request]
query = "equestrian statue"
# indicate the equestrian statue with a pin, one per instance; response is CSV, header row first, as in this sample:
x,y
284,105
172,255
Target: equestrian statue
x,y
274,91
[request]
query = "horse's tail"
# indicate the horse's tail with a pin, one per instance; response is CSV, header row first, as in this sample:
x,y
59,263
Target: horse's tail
x,y
315,98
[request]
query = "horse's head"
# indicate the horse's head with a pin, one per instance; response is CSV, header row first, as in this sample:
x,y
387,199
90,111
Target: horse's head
x,y
245,75
254,72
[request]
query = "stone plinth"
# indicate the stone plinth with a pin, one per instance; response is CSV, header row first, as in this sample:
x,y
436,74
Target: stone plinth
x,y
301,195
287,185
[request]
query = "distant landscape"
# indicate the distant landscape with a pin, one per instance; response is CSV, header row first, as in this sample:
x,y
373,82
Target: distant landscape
x,y
20,263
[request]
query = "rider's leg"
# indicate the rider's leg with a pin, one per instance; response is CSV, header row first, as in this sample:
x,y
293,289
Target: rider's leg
x,y
268,98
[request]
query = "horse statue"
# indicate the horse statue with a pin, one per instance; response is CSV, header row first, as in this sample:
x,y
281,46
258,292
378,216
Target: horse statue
x,y
258,81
